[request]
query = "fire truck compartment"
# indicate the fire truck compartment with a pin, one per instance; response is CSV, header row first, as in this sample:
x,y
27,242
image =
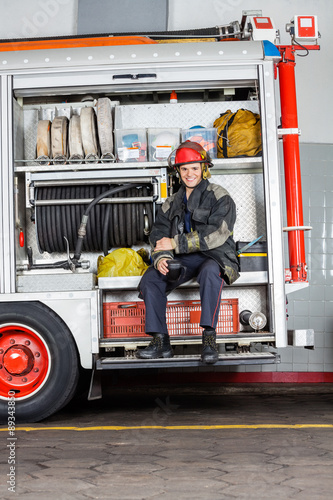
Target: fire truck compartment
x,y
51,194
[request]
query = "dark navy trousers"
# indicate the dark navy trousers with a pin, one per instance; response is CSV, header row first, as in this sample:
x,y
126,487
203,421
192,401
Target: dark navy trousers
x,y
154,288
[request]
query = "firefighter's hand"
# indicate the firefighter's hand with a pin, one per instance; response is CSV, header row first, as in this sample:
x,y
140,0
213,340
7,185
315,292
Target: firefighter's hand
x,y
164,244
163,266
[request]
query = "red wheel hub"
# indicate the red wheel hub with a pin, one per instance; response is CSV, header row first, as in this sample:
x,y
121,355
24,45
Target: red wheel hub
x,y
18,360
24,361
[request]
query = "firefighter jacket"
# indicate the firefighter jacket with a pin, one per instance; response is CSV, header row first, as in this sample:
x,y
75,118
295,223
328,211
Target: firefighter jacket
x,y
213,214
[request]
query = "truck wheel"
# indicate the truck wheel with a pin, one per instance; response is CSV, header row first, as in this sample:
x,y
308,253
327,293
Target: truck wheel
x,y
39,364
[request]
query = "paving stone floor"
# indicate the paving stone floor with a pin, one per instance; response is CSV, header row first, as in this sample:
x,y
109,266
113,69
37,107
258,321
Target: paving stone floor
x,y
191,462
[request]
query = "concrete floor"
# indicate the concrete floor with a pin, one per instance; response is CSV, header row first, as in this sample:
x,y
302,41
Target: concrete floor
x,y
131,459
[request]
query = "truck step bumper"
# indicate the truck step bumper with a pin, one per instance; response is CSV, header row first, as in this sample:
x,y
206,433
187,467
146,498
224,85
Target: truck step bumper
x,y
247,358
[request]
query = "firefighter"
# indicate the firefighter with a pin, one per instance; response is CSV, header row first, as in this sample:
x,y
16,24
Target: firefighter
x,y
193,229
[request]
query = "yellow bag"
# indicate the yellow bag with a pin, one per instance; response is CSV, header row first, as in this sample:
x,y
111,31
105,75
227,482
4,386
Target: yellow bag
x,y
238,134
120,262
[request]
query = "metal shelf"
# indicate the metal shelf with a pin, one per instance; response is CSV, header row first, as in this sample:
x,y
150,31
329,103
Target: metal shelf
x,y
221,165
98,174
132,282
33,166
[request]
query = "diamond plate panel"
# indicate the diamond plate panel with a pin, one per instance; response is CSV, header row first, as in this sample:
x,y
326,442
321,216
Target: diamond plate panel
x,y
18,132
247,191
183,115
30,133
301,338
252,298
55,282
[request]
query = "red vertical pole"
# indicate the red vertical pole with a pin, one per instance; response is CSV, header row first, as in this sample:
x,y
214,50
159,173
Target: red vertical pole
x,y
292,167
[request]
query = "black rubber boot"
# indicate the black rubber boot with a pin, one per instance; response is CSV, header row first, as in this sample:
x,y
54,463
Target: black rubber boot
x,y
159,347
209,353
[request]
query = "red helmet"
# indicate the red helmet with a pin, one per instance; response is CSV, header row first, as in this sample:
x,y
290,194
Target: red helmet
x,y
186,155
189,152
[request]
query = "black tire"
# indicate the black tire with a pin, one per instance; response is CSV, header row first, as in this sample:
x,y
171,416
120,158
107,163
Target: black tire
x,y
39,335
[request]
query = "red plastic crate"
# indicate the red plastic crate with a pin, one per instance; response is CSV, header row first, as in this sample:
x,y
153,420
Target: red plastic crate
x,y
127,319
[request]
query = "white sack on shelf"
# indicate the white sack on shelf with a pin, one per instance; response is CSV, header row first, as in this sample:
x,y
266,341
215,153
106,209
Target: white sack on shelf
x,y
105,127
76,153
43,151
89,134
59,138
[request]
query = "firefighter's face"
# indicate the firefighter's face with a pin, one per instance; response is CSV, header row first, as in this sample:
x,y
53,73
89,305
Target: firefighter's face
x,y
191,174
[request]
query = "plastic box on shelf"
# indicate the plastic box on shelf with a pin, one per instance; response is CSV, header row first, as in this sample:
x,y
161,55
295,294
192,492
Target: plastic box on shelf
x,y
127,319
207,137
161,142
131,145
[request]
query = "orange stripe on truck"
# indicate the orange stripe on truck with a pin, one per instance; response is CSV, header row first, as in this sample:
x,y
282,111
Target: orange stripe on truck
x,y
74,42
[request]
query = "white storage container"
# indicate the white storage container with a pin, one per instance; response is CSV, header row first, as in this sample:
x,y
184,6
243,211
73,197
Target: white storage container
x,y
131,145
161,142
207,137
